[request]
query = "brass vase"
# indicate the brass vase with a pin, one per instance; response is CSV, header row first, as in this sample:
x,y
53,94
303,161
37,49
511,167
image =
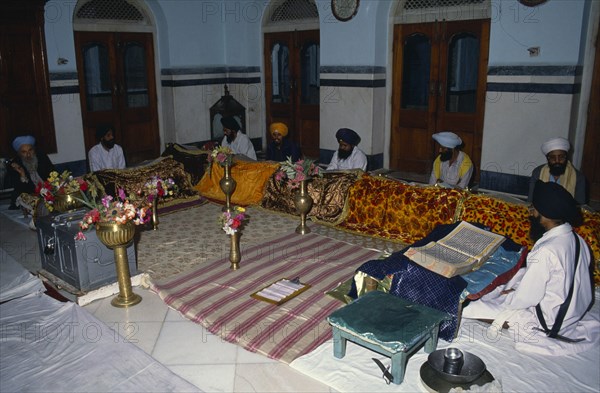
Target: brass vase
x,y
65,202
117,237
155,213
234,252
303,203
227,184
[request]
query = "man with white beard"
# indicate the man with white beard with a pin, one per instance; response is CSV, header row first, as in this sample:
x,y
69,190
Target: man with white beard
x,y
28,169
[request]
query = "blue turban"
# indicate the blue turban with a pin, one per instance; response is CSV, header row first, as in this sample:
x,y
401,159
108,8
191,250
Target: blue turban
x,y
447,139
23,140
347,135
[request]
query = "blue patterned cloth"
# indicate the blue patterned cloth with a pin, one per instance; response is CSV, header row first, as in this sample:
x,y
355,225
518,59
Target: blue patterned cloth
x,y
419,285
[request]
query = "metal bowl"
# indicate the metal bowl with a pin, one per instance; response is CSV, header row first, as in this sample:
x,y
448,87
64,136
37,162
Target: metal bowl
x,y
473,367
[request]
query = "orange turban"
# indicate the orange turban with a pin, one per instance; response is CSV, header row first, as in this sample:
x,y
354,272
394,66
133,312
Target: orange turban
x,y
279,127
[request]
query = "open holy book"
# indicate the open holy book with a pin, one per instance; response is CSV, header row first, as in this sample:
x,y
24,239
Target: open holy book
x,y
464,249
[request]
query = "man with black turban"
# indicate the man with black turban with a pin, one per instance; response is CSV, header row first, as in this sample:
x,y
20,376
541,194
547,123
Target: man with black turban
x,y
106,154
235,139
558,263
348,156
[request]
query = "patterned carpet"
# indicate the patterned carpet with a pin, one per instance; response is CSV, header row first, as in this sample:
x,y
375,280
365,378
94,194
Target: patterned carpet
x,y
219,298
188,238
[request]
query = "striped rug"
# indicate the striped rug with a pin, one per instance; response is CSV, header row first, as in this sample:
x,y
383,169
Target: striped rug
x,y
219,298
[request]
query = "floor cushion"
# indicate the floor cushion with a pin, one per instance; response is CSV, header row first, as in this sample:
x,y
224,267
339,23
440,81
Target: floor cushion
x,y
250,176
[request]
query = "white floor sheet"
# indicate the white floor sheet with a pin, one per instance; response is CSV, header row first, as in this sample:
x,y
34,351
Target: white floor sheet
x,y
15,281
50,346
515,371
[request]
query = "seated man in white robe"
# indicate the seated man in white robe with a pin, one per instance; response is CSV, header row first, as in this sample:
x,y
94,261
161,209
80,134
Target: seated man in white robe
x,y
348,155
106,154
452,167
235,139
558,263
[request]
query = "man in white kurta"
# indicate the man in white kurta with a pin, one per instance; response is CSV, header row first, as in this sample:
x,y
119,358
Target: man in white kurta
x,y
452,167
348,155
547,278
106,154
235,139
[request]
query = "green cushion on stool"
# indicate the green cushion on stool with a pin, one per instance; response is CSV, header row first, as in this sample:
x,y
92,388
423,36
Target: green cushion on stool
x,y
388,325
386,320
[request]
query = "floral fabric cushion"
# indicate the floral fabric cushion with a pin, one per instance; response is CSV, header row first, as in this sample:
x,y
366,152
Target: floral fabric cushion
x,y
394,210
329,194
512,221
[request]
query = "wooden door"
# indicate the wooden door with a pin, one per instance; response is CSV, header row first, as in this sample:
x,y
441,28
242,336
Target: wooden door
x,y
116,79
25,100
591,159
292,85
438,85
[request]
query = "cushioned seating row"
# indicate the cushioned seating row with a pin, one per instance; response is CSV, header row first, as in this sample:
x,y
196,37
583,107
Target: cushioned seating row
x,y
386,208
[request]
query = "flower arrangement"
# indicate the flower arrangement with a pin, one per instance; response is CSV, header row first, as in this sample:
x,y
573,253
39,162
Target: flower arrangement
x,y
118,210
158,188
221,154
61,184
295,172
231,222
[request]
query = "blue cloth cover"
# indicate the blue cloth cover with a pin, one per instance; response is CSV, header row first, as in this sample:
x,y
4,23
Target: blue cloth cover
x,y
419,285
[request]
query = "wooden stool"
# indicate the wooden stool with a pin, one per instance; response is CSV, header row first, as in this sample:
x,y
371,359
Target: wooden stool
x,y
388,325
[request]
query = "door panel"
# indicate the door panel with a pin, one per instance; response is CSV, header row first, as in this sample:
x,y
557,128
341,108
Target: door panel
x,y
25,98
590,165
438,85
292,85
117,87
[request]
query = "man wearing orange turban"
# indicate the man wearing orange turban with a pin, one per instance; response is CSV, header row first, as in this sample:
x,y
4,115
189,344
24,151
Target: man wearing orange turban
x,y
281,147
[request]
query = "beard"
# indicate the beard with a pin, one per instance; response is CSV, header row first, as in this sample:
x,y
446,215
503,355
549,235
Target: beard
x,y
230,138
537,230
446,155
558,169
31,164
343,154
108,144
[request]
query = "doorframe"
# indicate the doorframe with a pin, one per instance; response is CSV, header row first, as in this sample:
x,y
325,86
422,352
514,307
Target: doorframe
x,y
481,11
149,27
278,27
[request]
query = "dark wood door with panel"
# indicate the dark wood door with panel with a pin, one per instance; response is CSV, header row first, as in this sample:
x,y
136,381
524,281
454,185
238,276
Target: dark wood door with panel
x,y
439,81
292,85
25,100
117,85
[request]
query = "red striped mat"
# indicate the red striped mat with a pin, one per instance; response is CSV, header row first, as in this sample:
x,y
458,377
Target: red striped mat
x,y
219,298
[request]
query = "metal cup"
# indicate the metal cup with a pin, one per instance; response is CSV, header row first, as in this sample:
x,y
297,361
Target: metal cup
x,y
453,361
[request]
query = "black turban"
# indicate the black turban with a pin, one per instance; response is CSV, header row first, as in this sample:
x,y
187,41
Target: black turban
x,y
553,201
230,123
347,135
102,129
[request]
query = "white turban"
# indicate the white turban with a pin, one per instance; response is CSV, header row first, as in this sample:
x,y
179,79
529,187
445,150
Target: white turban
x,y
447,139
23,140
555,144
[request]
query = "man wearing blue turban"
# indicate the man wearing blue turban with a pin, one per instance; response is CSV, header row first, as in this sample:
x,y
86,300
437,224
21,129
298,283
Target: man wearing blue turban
x,y
28,169
348,155
452,167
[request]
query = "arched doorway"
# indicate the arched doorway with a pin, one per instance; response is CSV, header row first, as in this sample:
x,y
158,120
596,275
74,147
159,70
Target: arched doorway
x,y
292,61
439,80
115,63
